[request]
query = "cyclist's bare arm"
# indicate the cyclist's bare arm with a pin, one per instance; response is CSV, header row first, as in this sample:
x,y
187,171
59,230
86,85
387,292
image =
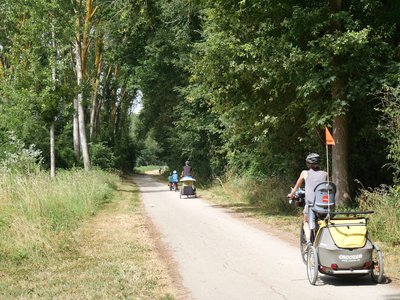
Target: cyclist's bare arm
x,y
299,182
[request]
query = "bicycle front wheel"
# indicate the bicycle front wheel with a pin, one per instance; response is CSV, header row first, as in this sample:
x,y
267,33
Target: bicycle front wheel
x,y
303,244
312,265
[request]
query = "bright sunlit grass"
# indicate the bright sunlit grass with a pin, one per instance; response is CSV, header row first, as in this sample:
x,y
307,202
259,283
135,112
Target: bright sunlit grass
x,y
38,213
151,168
79,236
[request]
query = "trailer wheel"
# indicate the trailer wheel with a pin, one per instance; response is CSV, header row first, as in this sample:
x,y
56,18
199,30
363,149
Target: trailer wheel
x,y
377,265
312,265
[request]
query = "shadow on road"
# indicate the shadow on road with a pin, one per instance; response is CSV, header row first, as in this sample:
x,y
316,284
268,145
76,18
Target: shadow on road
x,y
159,191
241,208
128,191
351,281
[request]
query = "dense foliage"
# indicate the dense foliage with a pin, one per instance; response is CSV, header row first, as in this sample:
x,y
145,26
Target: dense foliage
x,y
53,54
250,85
244,86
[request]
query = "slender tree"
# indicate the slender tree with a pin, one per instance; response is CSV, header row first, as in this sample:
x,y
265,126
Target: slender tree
x,y
81,48
81,112
53,121
94,114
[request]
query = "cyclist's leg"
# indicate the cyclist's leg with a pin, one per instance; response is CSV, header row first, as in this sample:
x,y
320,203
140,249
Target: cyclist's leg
x,y
306,227
311,222
311,219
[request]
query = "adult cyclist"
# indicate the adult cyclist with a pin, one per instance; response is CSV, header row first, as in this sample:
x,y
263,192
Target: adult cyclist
x,y
187,170
312,177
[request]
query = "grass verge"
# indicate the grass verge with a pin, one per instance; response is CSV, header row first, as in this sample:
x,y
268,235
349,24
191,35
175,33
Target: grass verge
x,y
110,255
38,213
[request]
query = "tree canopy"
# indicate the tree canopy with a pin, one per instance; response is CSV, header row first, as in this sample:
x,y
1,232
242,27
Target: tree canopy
x,y
238,86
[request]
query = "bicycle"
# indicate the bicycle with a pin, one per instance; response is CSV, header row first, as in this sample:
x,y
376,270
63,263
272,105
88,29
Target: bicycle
x,y
340,245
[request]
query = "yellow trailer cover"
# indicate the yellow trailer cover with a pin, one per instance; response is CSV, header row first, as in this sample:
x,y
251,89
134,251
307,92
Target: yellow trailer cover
x,y
348,233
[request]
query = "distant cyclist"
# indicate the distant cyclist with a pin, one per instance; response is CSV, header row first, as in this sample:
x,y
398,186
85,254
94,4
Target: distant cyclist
x,y
175,178
170,181
312,177
187,170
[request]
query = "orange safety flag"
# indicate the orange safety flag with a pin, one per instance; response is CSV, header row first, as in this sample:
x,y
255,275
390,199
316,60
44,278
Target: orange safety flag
x,y
328,137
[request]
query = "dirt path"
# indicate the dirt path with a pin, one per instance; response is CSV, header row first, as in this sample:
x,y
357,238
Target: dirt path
x,y
220,257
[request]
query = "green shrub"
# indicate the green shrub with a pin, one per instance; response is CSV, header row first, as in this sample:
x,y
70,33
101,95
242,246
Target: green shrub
x,y
17,158
102,156
384,224
267,192
389,126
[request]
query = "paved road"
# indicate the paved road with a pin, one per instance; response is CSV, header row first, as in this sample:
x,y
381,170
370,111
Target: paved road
x,y
220,257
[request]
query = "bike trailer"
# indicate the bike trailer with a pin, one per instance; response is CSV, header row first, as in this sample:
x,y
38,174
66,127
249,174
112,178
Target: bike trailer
x,y
188,188
343,246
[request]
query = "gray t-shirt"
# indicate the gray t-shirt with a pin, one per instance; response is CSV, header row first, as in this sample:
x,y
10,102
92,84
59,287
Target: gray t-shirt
x,y
313,179
187,171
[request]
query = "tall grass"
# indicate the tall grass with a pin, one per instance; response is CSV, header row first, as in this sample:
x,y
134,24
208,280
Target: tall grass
x,y
267,192
38,213
384,225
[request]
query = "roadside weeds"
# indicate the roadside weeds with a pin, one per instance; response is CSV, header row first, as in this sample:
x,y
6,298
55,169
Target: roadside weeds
x,y
112,256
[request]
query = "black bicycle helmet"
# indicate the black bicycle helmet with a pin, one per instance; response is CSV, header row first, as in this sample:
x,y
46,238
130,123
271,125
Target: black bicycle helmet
x,y
313,158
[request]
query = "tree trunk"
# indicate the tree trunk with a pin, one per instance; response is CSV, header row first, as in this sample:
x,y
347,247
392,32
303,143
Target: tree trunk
x,y
76,138
115,103
53,121
81,56
52,149
90,11
77,141
340,169
1,66
82,133
81,114
94,115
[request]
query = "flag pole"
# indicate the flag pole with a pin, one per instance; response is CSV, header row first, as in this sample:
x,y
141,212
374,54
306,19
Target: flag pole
x,y
327,161
327,171
328,141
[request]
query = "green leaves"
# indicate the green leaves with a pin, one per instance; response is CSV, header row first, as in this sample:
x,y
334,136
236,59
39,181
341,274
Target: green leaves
x,y
389,126
224,83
